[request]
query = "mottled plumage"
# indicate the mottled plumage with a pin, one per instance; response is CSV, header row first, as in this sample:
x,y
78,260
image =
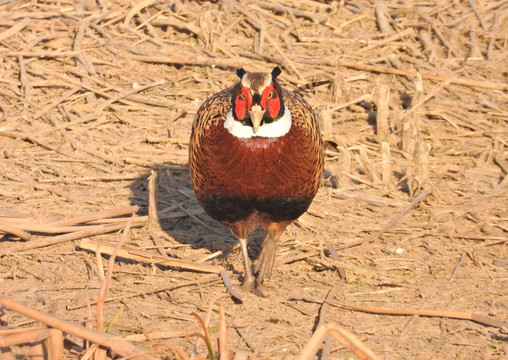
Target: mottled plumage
x,y
250,178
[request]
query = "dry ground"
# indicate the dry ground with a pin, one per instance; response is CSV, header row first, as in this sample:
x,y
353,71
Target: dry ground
x,y
95,95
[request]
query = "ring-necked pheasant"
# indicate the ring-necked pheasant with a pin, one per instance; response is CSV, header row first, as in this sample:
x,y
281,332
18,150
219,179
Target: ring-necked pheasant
x,y
256,159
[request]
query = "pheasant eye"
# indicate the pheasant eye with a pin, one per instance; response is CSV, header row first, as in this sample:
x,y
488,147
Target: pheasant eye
x,y
241,96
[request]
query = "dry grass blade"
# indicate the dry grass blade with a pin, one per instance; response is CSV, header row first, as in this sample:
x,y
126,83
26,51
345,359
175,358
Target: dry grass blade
x,y
368,198
9,229
14,29
223,331
198,60
137,8
161,21
114,343
177,350
206,337
44,54
347,339
45,229
383,103
452,80
204,280
392,222
48,241
296,12
60,100
147,257
53,339
386,163
97,216
481,319
382,19
323,313
45,226
106,283
125,94
335,256
104,291
154,226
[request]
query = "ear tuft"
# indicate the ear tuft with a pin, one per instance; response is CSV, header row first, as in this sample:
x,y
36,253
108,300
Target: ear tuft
x,y
240,72
276,72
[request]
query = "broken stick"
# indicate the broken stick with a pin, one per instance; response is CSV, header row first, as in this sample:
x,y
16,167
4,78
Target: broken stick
x,y
147,257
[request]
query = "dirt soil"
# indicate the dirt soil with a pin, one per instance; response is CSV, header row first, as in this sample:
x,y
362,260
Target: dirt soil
x,y
93,96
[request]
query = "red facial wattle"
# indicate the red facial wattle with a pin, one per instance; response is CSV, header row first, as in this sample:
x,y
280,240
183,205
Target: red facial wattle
x,y
243,102
271,100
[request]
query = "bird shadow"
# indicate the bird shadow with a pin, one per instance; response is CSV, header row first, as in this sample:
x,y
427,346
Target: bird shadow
x,y
181,216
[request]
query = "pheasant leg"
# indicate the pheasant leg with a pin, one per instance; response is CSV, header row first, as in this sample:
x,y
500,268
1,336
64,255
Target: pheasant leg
x,y
266,259
248,278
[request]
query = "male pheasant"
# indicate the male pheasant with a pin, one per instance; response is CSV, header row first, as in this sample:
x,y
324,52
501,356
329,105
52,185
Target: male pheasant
x,y
256,159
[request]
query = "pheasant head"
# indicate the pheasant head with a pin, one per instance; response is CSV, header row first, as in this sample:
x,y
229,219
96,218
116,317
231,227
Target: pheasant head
x,y
257,106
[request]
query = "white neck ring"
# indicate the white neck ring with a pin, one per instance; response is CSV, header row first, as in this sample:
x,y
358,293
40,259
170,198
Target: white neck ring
x,y
274,129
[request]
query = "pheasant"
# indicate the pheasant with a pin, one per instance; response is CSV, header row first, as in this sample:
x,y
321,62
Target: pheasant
x,y
256,160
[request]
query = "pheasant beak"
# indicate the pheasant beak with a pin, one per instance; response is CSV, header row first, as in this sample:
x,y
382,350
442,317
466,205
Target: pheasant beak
x,y
256,116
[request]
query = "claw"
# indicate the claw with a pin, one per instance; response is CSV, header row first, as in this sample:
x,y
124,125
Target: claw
x,y
249,283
